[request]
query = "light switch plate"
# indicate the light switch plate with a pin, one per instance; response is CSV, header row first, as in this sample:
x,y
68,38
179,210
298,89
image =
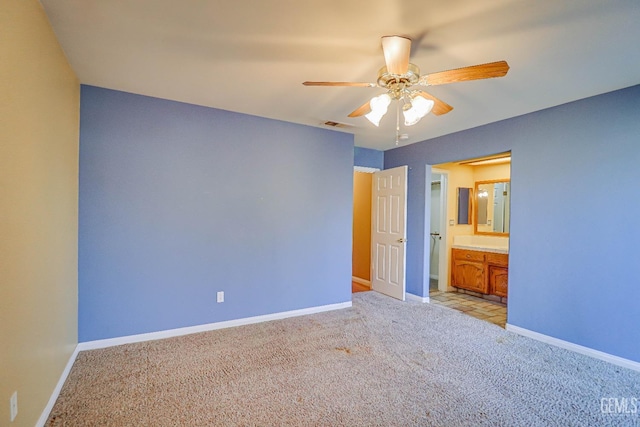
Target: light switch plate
x,y
13,405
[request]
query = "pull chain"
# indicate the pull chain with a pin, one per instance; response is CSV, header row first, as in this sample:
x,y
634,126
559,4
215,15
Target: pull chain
x,y
397,123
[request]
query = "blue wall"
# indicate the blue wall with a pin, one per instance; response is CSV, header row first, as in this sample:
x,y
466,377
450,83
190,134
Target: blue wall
x,y
575,216
178,202
368,158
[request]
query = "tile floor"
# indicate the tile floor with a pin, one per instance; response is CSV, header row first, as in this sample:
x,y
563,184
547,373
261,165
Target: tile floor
x,y
479,308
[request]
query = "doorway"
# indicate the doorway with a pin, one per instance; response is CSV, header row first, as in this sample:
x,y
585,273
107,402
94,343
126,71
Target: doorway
x,y
446,229
434,241
378,251
438,259
361,242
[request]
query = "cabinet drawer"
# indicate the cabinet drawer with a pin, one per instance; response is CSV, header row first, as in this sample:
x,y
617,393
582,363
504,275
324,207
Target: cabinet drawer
x,y
464,254
498,259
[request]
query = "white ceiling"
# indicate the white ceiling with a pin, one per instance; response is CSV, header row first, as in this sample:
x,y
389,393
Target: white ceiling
x,y
252,56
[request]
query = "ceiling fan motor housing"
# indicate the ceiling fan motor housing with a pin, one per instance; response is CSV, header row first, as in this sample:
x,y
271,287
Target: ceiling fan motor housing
x,y
389,81
396,83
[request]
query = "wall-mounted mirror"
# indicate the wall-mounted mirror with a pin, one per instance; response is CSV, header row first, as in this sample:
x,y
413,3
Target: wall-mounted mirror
x,y
492,204
465,199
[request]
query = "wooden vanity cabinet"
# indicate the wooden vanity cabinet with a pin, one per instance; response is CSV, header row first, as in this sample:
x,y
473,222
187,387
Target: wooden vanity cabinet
x,y
498,280
468,271
498,265
478,271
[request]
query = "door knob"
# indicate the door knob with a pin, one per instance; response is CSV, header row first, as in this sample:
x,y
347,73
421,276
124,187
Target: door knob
x,y
402,240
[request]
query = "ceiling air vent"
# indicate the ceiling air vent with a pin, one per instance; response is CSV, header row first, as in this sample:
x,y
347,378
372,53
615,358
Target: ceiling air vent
x,y
337,125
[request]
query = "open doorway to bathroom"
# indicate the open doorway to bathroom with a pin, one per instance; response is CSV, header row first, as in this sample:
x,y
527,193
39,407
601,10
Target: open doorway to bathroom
x,y
469,236
435,236
438,231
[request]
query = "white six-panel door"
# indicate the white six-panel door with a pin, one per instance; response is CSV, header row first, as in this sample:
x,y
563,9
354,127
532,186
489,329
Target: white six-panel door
x,y
388,231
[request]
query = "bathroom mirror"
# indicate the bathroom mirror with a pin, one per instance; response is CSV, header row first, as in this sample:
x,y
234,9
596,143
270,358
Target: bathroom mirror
x,y
465,198
492,207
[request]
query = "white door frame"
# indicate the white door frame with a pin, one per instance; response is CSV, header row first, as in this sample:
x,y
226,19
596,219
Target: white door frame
x,y
443,253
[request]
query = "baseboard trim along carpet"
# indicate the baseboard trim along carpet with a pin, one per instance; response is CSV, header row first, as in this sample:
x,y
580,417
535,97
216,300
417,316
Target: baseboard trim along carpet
x,y
110,342
381,362
361,281
616,360
92,345
416,298
56,391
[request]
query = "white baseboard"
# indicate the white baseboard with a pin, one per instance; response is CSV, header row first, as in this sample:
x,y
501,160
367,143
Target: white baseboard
x,y
434,276
416,298
110,342
56,391
361,281
625,363
92,345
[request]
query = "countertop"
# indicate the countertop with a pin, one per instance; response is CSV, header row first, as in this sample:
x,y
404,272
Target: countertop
x,y
486,248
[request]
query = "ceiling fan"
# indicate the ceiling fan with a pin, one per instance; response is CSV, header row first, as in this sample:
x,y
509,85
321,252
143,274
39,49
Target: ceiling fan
x,y
399,78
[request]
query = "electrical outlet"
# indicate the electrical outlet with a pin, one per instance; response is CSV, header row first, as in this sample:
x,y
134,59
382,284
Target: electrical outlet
x,y
13,405
220,296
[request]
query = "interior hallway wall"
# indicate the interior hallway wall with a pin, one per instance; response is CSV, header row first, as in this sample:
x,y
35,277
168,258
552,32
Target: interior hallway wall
x,y
368,157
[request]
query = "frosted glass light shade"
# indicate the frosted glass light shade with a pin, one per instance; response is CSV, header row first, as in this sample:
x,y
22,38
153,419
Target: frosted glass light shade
x,y
374,117
379,105
420,107
423,106
411,117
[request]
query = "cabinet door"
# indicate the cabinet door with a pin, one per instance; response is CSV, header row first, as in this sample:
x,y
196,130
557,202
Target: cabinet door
x,y
469,275
498,280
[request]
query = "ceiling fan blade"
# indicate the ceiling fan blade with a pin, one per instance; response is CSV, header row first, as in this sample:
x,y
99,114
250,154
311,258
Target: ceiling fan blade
x,y
339,84
361,110
439,107
475,72
396,53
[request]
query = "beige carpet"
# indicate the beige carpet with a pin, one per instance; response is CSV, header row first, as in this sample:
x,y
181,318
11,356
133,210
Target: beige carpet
x,y
380,363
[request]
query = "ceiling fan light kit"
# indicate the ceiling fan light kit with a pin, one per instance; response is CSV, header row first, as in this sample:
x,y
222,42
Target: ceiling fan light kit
x,y
416,109
399,75
379,105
